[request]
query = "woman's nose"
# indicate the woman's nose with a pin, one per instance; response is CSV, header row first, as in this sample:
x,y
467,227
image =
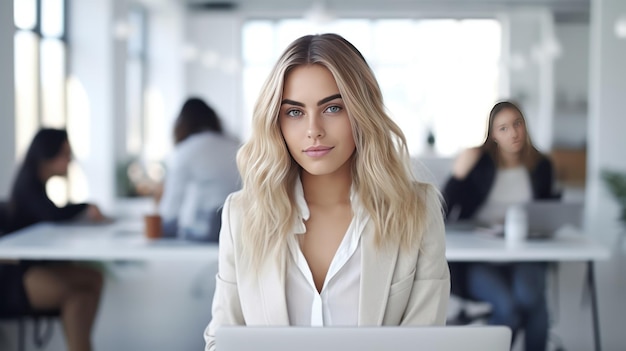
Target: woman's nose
x,y
315,129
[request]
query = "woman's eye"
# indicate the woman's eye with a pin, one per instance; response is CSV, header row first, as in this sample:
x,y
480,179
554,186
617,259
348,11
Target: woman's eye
x,y
333,109
503,129
294,113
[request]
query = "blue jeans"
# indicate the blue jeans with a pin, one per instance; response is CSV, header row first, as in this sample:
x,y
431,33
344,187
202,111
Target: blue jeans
x,y
516,292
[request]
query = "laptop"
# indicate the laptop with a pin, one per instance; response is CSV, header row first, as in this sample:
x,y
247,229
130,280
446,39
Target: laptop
x,y
451,338
546,217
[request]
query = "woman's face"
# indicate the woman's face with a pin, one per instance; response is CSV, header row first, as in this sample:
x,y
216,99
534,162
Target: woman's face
x,y
509,131
58,165
314,121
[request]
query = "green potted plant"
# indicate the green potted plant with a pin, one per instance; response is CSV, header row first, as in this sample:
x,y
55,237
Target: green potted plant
x,y
616,183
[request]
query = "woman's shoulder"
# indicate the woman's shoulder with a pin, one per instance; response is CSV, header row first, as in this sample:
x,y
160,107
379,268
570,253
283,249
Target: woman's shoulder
x,y
26,187
544,159
429,195
544,163
233,205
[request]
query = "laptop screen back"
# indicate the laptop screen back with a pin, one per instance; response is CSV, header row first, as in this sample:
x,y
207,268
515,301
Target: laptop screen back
x,y
546,217
452,338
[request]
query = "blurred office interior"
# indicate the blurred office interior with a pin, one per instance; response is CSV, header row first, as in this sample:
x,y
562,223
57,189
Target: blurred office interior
x,y
115,73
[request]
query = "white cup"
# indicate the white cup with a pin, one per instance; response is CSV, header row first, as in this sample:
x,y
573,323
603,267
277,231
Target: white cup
x,y
516,225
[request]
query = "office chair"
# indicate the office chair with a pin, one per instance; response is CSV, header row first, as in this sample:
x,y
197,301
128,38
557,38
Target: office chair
x,y
43,322
41,336
458,289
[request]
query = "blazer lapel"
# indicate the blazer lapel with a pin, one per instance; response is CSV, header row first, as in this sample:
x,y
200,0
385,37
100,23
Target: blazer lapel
x,y
376,275
272,289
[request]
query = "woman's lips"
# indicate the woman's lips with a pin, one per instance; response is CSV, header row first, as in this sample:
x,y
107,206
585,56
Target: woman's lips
x,y
317,151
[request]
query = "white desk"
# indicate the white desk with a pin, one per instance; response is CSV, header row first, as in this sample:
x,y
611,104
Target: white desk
x,y
125,241
569,244
122,240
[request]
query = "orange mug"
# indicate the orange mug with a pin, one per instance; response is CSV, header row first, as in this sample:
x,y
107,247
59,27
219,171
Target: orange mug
x,y
152,228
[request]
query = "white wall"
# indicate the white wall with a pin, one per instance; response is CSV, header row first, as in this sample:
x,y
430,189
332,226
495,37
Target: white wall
x,y
531,78
607,93
571,83
165,73
93,105
215,75
7,99
606,145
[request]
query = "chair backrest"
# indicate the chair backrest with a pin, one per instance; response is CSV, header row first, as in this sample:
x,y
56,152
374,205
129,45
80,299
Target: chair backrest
x,y
209,230
4,217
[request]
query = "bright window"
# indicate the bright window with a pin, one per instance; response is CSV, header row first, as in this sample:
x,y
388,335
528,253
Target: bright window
x,y
40,79
438,75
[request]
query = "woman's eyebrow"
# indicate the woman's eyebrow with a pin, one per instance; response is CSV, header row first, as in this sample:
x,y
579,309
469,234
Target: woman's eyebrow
x,y
291,102
319,103
327,99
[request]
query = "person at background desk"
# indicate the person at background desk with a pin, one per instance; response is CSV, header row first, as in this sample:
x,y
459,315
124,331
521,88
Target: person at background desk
x,y
35,285
330,228
506,170
201,172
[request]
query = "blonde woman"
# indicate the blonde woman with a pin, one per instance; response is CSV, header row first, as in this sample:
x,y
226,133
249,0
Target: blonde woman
x,y
330,227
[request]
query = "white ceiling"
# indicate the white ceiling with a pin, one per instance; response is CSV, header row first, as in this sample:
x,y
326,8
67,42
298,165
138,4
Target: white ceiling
x,y
564,10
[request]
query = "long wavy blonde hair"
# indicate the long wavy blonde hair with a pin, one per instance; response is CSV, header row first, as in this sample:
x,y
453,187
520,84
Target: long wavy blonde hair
x,y
380,167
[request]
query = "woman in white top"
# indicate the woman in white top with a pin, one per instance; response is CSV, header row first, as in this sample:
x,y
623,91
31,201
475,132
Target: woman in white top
x,y
201,172
506,170
330,228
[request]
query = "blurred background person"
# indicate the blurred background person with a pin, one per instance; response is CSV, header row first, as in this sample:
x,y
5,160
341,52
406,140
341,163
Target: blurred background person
x,y
29,286
200,173
506,170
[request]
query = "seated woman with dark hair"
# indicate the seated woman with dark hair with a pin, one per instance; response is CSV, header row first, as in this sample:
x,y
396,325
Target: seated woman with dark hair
x,y
35,285
201,172
505,170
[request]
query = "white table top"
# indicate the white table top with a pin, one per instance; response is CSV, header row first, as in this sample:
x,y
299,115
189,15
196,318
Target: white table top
x,y
124,240
568,244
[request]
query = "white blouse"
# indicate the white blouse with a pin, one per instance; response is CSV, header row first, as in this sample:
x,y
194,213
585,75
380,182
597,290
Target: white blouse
x,y
338,302
201,172
511,187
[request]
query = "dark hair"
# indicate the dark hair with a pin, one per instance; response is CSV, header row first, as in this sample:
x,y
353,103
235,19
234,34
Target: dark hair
x,y
46,145
195,116
530,154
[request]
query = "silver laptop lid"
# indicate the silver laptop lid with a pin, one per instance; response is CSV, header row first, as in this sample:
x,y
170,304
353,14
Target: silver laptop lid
x,y
484,338
546,217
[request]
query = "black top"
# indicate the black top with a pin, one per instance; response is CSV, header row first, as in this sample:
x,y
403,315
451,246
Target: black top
x,y
468,195
30,204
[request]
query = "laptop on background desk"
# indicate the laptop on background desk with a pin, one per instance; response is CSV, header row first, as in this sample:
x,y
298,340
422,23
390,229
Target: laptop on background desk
x,y
456,338
545,218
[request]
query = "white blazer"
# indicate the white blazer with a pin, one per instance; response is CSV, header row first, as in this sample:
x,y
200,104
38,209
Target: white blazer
x,y
398,287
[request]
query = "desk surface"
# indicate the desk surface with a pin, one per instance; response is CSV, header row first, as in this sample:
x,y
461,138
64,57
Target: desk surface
x,y
124,240
569,244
